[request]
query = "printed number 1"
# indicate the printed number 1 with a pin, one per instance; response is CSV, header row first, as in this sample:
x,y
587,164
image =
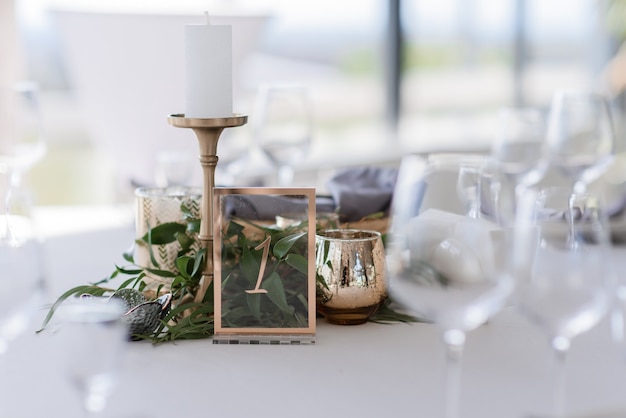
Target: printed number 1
x,y
266,250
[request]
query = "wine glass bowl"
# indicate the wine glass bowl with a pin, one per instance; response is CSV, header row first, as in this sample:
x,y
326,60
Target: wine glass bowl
x,y
562,239
444,266
93,338
438,267
519,145
282,126
22,142
580,138
467,185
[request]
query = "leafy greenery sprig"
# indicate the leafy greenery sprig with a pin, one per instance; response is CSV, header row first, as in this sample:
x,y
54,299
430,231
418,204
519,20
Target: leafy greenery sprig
x,y
192,319
187,319
249,248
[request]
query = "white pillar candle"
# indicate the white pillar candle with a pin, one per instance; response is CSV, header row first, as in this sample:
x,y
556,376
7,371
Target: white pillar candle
x,y
208,71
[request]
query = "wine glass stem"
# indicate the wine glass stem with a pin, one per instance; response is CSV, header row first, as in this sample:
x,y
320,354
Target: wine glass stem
x,y
455,341
561,348
571,219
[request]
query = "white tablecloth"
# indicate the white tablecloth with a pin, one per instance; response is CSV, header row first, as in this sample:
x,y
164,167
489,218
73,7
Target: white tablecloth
x,y
368,370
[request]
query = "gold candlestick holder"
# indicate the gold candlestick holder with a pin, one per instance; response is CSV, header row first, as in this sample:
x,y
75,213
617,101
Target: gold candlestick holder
x,y
208,131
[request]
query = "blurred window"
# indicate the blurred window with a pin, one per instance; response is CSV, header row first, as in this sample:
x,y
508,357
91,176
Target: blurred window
x,y
462,60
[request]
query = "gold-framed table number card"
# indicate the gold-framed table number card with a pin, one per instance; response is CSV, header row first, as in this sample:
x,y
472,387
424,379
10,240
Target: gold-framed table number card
x,y
264,265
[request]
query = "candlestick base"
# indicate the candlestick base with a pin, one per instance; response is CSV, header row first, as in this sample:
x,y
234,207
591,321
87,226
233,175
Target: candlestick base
x,y
207,131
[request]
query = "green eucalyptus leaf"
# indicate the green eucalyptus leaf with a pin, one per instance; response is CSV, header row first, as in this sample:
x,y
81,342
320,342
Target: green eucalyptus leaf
x,y
185,241
164,233
186,211
254,304
183,265
162,273
193,226
249,265
387,314
208,297
198,262
129,255
298,262
151,254
302,298
75,291
233,229
178,281
127,283
128,271
236,316
282,247
276,292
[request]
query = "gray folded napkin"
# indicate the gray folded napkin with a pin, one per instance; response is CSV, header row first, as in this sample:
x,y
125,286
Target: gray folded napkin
x,y
359,192
266,207
355,193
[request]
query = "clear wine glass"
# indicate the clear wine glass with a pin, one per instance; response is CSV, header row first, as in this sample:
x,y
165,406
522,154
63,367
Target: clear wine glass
x,y
561,244
519,146
498,194
234,156
467,186
580,138
443,265
22,142
283,126
22,284
93,339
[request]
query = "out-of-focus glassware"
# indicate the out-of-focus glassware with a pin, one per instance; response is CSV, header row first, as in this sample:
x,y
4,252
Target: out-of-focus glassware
x,y
519,146
22,271
174,168
234,153
467,186
93,339
443,265
283,126
22,142
561,262
497,194
580,136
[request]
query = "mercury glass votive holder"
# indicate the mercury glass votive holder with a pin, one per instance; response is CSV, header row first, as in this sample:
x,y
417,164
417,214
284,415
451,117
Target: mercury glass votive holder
x,y
351,279
156,206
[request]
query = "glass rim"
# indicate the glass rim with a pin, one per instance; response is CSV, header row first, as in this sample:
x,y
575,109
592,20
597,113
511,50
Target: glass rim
x,y
169,191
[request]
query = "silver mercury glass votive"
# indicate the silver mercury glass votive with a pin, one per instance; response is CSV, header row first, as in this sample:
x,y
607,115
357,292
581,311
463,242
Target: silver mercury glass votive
x,y
351,278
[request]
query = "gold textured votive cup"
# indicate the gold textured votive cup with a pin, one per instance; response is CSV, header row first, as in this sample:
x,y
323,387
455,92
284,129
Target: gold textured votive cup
x,y
156,206
351,277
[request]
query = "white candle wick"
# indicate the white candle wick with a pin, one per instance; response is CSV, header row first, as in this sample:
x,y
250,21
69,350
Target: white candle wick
x,y
208,21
